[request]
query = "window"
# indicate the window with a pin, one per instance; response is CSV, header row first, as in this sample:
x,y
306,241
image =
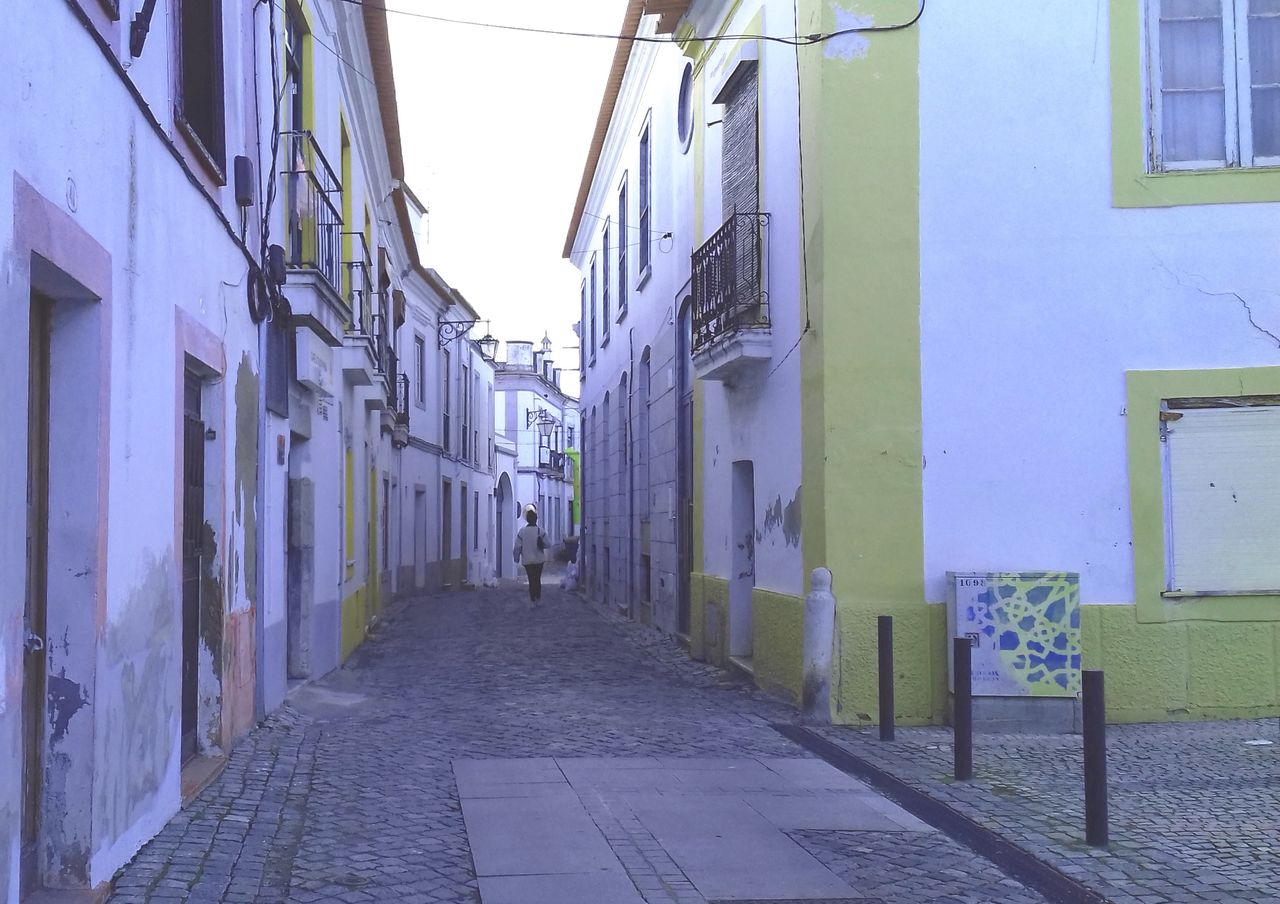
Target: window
x,y
642,434
475,520
447,408
1215,81
1221,458
604,285
624,239
465,402
684,109
582,355
643,202
281,364
420,368
623,453
593,309
475,431
199,103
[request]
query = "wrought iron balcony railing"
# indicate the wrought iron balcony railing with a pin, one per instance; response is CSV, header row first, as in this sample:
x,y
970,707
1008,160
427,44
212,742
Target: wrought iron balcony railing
x,y
551,460
729,286
401,402
358,285
313,208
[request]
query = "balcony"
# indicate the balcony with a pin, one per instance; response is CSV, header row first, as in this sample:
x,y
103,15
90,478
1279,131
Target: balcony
x,y
399,410
551,462
731,329
311,194
361,355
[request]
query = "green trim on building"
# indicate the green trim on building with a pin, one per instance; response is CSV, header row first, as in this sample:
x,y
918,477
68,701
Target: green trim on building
x,y
861,395
1133,185
1146,391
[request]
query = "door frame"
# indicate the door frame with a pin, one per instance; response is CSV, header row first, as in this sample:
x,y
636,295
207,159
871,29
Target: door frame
x,y
52,255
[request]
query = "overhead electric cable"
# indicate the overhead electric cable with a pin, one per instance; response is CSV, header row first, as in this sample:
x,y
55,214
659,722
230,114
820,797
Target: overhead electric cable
x,y
791,40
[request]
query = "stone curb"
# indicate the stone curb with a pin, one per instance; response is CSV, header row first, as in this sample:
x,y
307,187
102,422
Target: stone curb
x,y
1018,863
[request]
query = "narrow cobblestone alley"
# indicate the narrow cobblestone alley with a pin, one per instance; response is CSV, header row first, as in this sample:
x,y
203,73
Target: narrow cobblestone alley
x,y
349,792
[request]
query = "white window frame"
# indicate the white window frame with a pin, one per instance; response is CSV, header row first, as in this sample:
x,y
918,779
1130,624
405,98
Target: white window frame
x,y
644,202
624,239
1236,74
420,373
606,276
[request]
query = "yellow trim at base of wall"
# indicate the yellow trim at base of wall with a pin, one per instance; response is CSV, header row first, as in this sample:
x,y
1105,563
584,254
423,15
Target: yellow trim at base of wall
x,y
353,622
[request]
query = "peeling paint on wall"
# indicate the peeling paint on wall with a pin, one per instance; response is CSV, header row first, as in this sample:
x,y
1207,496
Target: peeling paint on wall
x,y
212,598
66,698
137,683
246,487
852,46
791,520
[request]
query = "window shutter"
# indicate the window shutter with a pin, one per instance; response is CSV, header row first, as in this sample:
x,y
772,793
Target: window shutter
x,y
1224,500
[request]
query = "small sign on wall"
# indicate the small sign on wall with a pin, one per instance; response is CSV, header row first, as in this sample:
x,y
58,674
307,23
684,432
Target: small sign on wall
x,y
1024,628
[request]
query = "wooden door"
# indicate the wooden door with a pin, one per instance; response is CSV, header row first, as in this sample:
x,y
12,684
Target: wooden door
x,y
35,667
192,528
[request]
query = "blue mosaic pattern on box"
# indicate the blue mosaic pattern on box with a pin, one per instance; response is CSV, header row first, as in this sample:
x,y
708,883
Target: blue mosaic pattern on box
x,y
1034,621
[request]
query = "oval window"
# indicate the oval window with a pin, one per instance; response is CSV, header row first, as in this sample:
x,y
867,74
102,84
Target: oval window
x,y
684,124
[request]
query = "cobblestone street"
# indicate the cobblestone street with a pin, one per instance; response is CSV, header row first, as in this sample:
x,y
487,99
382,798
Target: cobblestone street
x,y
349,792
1193,807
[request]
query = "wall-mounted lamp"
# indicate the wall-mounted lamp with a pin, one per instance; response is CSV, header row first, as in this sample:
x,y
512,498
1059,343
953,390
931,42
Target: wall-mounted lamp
x,y
546,422
448,330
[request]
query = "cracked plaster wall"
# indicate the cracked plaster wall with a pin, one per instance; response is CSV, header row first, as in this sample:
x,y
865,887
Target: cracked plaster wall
x,y
1037,296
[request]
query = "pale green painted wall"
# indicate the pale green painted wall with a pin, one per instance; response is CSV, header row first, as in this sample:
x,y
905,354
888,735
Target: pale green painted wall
x,y
861,372
777,621
1182,670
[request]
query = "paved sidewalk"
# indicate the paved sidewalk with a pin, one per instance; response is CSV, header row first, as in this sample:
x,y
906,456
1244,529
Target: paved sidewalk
x,y
351,792
1194,807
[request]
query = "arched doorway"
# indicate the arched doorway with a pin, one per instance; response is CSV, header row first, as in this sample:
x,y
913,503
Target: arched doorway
x,y
502,499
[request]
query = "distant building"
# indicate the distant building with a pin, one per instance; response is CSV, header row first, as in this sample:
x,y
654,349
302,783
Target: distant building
x,y
540,418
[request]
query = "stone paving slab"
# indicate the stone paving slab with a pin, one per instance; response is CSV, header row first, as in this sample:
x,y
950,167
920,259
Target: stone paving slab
x,y
348,793
834,811
728,850
528,836
598,888
1194,807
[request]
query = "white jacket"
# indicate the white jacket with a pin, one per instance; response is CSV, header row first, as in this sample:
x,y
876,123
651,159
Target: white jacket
x,y
526,549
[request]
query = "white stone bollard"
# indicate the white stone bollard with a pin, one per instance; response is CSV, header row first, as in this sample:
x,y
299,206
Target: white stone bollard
x,y
819,633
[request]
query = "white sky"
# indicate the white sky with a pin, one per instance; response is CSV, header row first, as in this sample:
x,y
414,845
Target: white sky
x,y
496,127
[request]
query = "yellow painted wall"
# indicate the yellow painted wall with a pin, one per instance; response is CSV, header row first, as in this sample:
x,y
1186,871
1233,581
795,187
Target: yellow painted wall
x,y
353,622
777,621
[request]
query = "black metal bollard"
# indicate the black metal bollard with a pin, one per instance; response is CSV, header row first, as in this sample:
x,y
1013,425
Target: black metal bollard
x,y
963,728
884,624
1096,831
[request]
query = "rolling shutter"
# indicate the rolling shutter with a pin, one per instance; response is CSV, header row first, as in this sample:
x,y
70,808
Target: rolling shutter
x,y
1224,500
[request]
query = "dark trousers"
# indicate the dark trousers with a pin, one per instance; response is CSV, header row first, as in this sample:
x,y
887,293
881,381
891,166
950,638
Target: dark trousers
x,y
535,580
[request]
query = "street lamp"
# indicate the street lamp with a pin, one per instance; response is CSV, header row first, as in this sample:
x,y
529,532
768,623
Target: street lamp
x,y
448,330
545,421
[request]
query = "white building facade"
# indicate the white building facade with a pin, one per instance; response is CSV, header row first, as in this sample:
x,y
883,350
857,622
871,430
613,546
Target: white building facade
x,y
1006,314
678,176
538,418
213,298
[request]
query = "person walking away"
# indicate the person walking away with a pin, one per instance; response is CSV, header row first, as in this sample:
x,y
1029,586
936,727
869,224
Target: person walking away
x,y
530,548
